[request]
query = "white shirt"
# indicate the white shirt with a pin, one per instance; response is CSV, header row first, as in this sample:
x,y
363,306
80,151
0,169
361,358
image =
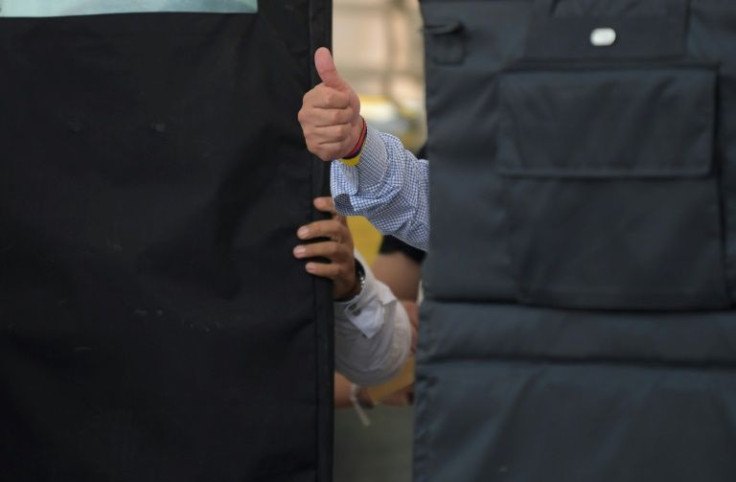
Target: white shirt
x,y
57,8
372,333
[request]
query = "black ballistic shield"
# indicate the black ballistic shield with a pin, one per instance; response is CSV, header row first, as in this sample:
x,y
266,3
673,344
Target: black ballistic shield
x,y
154,325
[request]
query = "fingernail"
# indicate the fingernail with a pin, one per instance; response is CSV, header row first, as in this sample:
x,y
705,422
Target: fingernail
x,y
303,232
299,251
310,267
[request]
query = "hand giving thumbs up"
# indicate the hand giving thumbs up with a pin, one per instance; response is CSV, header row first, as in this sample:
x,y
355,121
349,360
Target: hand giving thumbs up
x,y
330,113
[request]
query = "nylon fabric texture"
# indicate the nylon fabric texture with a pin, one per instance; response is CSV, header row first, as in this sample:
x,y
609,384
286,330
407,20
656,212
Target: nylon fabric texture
x,y
580,318
154,325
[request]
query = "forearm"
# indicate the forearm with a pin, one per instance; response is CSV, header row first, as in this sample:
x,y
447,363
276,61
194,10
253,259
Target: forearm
x,y
372,335
400,273
343,389
373,361
389,186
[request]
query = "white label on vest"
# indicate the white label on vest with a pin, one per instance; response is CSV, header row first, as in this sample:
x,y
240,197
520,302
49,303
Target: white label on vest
x,y
603,37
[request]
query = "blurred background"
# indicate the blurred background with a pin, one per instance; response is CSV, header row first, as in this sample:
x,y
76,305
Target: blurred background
x,y
378,49
377,46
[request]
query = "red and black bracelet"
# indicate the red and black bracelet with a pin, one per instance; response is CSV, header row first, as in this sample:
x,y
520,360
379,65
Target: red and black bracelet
x,y
354,156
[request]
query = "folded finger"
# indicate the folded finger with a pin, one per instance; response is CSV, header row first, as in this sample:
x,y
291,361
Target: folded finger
x,y
326,205
331,250
326,228
325,270
325,97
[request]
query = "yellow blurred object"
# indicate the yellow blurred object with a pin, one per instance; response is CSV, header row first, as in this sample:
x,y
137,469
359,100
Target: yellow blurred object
x,y
366,238
403,380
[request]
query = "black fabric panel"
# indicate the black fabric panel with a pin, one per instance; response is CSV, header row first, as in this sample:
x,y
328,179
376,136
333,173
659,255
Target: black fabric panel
x,y
153,323
320,18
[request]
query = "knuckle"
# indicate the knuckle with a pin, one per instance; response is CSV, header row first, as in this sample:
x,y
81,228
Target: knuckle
x,y
338,132
329,98
335,117
326,155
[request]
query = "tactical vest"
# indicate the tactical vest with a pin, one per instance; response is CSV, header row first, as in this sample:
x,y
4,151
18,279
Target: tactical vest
x,y
154,325
582,272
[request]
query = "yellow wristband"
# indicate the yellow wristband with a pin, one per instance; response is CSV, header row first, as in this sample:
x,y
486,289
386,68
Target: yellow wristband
x,y
353,161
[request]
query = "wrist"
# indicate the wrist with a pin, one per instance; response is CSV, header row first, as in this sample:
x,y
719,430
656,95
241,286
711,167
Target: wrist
x,y
352,157
357,286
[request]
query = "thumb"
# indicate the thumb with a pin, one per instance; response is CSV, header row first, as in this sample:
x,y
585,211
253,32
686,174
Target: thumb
x,y
327,71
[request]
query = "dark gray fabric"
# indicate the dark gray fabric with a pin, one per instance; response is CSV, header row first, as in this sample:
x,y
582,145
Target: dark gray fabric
x,y
581,275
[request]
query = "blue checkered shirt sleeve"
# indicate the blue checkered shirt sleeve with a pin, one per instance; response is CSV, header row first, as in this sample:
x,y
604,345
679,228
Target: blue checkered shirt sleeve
x,y
389,186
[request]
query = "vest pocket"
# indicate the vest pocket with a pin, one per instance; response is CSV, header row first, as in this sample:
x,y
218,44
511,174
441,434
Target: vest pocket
x,y
611,190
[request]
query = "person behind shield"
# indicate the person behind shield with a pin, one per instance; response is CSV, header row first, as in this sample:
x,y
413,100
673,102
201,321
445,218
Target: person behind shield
x,y
376,177
373,333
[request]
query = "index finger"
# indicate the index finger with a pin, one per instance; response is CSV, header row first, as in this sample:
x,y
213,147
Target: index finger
x,y
325,204
323,97
327,228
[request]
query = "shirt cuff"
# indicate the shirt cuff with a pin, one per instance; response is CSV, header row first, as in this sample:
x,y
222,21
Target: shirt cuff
x,y
368,172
